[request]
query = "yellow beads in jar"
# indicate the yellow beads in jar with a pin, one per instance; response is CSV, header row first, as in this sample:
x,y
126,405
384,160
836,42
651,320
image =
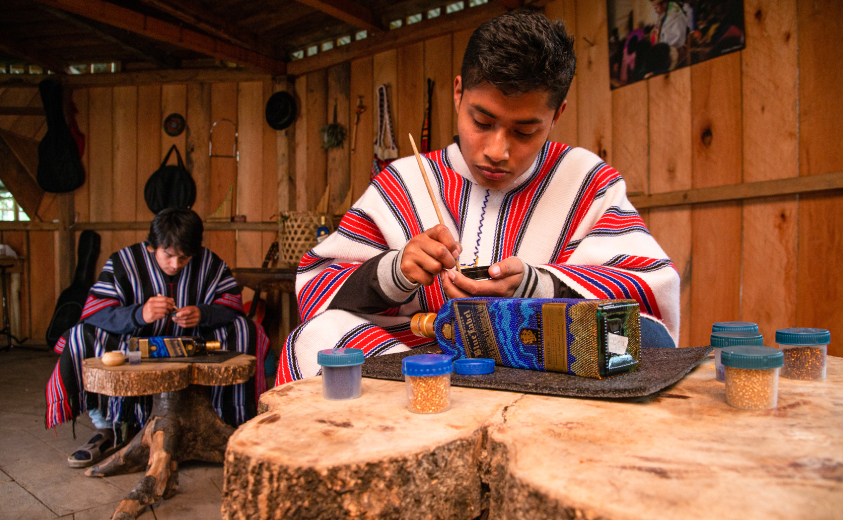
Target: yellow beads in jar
x,y
428,381
752,376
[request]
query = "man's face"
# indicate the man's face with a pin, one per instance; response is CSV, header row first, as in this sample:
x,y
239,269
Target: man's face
x,y
169,260
500,135
660,6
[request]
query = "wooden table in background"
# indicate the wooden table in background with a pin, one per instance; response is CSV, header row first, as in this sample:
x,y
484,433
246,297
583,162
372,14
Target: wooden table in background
x,y
278,288
182,425
680,454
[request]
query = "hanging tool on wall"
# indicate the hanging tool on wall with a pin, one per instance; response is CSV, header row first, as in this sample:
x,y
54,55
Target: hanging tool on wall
x,y
359,110
428,109
333,134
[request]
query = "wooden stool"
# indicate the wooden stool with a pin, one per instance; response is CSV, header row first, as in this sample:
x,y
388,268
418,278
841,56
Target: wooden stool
x,y
182,426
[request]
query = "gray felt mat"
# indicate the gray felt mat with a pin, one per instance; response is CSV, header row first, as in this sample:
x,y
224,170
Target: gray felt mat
x,y
660,368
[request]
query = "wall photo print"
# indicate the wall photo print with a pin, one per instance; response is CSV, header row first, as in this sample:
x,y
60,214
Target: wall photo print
x,y
651,37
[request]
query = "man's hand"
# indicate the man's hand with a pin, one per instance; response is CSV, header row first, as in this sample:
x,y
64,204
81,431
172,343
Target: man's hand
x,y
187,317
427,254
157,307
506,277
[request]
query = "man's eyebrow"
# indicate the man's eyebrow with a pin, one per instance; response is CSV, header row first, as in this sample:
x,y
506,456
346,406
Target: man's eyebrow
x,y
531,121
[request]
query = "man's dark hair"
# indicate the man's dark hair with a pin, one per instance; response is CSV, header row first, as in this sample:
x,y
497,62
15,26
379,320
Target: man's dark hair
x,y
519,53
178,228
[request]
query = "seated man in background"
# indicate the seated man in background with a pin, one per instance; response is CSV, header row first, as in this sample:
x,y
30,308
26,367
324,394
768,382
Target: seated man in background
x,y
167,286
553,221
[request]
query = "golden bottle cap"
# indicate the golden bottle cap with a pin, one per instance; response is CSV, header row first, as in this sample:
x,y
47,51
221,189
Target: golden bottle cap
x,y
213,345
422,324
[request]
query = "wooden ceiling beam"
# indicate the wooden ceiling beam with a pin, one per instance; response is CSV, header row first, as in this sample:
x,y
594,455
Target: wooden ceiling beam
x,y
22,111
446,24
144,52
160,30
191,12
347,11
140,77
31,55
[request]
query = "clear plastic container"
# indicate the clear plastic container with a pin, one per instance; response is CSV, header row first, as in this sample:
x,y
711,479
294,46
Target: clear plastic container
x,y
721,340
805,352
342,373
428,381
752,376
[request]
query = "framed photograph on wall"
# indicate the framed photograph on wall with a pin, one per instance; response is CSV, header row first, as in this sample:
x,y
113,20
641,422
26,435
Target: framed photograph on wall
x,y
651,37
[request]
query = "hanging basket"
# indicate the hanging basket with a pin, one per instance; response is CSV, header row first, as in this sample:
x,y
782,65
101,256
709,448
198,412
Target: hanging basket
x,y
298,235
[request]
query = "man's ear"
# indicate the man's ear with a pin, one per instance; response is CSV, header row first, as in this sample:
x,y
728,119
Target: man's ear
x,y
150,249
559,112
457,92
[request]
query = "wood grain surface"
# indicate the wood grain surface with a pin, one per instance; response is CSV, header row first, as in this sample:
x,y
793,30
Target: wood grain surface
x,y
682,453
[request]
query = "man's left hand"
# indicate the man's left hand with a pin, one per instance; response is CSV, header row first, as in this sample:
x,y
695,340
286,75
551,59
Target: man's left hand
x,y
187,317
506,277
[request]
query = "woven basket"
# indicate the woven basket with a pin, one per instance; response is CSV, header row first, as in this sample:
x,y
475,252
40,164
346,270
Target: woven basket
x,y
298,235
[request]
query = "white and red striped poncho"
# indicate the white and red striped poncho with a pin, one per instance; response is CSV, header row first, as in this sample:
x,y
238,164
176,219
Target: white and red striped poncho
x,y
567,215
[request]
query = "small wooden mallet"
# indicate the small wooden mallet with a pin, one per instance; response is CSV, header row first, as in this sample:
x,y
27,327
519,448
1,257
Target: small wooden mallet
x,y
429,189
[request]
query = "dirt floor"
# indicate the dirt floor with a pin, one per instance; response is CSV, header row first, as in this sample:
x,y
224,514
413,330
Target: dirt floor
x,y
35,481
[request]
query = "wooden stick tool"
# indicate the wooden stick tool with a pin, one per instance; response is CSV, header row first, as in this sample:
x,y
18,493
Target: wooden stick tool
x,y
429,189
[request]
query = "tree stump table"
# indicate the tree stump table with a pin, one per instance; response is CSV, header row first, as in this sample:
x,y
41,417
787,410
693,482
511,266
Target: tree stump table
x,y
182,425
682,453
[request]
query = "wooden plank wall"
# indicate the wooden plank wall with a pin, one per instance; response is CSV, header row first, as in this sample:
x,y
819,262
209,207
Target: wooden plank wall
x,y
767,112
725,121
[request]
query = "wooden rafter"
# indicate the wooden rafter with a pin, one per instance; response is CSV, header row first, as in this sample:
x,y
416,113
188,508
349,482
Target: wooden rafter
x,y
192,13
164,31
425,30
347,11
34,56
142,51
140,77
21,111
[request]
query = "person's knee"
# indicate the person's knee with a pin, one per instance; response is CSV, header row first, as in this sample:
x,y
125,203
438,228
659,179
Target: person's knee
x,y
655,335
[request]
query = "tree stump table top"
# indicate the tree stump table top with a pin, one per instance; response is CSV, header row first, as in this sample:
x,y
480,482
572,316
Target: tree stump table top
x,y
682,453
155,377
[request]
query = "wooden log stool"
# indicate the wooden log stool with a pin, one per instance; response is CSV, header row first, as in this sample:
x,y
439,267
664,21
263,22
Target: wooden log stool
x,y
182,426
681,453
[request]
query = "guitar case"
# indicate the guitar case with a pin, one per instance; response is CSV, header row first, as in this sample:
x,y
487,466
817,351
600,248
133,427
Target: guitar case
x,y
71,301
59,166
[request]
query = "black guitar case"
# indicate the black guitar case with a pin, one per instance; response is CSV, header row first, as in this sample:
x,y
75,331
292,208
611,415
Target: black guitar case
x,y
59,166
72,300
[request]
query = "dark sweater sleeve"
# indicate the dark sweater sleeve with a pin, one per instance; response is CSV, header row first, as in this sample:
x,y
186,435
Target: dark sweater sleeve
x,y
118,319
214,316
560,290
362,292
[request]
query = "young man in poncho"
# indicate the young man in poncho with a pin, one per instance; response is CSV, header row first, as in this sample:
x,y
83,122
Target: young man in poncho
x,y
167,286
551,220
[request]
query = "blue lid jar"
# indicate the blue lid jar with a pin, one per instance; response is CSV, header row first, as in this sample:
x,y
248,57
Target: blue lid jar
x,y
803,336
752,357
424,365
340,357
724,326
734,338
474,366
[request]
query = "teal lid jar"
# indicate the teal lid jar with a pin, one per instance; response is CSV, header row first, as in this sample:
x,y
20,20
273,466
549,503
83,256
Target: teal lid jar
x,y
342,373
734,326
752,376
731,338
805,352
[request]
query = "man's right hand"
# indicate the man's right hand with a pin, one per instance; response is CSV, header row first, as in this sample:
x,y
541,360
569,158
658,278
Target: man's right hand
x,y
157,307
427,254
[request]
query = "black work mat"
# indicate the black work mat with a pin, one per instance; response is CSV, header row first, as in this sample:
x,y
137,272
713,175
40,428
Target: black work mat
x,y
660,368
213,356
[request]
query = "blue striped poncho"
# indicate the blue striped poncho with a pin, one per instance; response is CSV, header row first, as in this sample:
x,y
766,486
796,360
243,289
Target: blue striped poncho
x,y
132,276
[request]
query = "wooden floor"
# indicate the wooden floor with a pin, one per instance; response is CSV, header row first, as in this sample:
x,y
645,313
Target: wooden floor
x,y
35,481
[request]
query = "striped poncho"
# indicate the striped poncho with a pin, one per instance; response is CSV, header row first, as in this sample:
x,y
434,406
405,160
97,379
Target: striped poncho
x,y
567,215
131,276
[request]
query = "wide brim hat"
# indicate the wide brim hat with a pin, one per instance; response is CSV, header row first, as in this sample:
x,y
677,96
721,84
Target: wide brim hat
x,y
280,110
